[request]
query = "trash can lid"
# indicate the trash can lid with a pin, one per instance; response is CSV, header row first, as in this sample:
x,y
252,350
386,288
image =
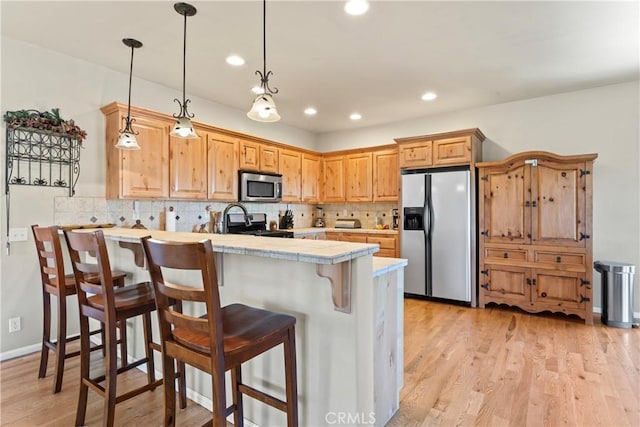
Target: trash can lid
x,y
613,266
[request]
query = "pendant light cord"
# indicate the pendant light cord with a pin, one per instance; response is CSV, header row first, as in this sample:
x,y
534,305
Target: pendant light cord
x,y
184,63
264,36
130,79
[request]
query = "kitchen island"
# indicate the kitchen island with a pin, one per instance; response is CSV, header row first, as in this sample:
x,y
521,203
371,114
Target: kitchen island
x,y
349,330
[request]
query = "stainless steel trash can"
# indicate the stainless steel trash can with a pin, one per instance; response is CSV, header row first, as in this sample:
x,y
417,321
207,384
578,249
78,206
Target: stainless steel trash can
x,y
617,293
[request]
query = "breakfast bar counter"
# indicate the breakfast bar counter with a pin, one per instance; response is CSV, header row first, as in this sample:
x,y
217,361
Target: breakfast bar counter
x,y
349,310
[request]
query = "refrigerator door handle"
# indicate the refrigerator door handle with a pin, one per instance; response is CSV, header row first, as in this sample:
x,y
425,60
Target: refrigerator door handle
x,y
428,209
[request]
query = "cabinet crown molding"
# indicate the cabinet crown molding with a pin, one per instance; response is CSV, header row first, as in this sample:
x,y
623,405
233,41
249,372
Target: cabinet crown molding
x,y
465,132
520,157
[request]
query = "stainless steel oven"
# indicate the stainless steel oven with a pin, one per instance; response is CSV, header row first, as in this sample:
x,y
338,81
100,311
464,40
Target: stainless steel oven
x,y
260,187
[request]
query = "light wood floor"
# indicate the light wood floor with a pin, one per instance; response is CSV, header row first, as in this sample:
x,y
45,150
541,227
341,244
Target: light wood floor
x,y
463,366
499,366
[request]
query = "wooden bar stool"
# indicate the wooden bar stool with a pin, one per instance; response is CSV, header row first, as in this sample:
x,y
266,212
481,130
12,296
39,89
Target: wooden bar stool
x,y
50,258
108,305
222,339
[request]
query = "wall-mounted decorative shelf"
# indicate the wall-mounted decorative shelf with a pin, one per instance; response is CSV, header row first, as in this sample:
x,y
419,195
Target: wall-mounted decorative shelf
x,y
42,158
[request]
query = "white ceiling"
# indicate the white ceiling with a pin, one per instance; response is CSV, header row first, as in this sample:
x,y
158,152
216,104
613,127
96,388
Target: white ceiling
x,y
378,64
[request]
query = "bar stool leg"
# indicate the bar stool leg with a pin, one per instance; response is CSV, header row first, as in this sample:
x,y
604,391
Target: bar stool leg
x,y
46,334
122,326
182,384
291,380
148,349
169,387
111,367
61,344
85,355
238,410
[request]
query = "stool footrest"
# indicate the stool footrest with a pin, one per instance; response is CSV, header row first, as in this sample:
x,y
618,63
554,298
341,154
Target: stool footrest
x,y
263,397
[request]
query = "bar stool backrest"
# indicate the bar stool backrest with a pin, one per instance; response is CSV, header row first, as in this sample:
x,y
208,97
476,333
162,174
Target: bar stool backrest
x,y
81,245
49,252
187,256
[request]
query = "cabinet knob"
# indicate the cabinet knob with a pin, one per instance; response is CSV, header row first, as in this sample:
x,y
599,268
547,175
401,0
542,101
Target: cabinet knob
x,y
558,259
505,255
543,295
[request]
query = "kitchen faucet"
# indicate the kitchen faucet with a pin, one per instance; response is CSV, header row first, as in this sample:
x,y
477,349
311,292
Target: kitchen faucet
x,y
225,225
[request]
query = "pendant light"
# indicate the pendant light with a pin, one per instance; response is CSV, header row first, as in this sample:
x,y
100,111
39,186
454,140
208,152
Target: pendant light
x,y
183,127
127,139
264,108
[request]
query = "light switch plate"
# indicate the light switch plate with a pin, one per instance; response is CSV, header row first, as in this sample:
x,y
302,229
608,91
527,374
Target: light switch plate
x,y
17,234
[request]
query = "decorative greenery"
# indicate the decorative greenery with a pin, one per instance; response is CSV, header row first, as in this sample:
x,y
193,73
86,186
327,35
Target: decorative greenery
x,y
47,121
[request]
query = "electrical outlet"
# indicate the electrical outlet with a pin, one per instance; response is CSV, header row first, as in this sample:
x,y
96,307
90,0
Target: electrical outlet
x,y
17,234
14,324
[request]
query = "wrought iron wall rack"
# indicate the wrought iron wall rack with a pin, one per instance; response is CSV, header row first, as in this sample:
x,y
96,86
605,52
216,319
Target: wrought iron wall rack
x,y
41,158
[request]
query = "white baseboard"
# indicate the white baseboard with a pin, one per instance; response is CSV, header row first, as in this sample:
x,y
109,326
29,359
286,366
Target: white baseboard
x,y
22,351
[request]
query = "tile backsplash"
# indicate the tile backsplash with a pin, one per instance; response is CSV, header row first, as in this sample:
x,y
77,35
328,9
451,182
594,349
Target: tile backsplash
x,y
191,215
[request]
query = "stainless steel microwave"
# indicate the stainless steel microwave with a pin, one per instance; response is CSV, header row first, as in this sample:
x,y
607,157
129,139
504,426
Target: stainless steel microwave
x,y
260,187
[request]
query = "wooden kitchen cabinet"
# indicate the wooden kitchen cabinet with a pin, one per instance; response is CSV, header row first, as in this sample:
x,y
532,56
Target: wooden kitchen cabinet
x,y
311,178
359,177
385,175
269,159
333,178
222,167
291,170
535,216
188,167
388,242
258,157
354,237
452,151
137,174
416,155
456,148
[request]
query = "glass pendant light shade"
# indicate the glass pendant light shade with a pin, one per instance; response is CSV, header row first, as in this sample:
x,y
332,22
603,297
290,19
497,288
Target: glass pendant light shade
x,y
264,109
127,141
184,129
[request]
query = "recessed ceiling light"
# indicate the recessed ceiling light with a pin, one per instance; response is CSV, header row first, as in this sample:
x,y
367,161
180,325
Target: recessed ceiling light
x,y
257,90
356,7
355,116
235,60
429,96
310,111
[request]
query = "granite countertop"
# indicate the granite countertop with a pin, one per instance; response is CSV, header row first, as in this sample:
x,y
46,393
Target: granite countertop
x,y
315,230
303,250
382,265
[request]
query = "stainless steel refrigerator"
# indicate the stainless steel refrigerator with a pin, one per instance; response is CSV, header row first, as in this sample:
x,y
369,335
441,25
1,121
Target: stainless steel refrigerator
x,y
436,233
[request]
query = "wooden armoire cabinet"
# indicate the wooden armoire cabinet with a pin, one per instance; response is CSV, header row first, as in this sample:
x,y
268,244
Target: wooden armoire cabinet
x,y
535,215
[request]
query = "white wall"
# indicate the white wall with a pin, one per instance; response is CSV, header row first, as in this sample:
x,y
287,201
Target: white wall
x,y
36,78
604,120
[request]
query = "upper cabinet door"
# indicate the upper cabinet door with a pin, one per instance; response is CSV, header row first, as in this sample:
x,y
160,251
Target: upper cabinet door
x,y
249,155
504,210
385,176
359,177
416,154
333,173
452,151
311,178
222,155
145,172
558,202
188,167
269,160
291,170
